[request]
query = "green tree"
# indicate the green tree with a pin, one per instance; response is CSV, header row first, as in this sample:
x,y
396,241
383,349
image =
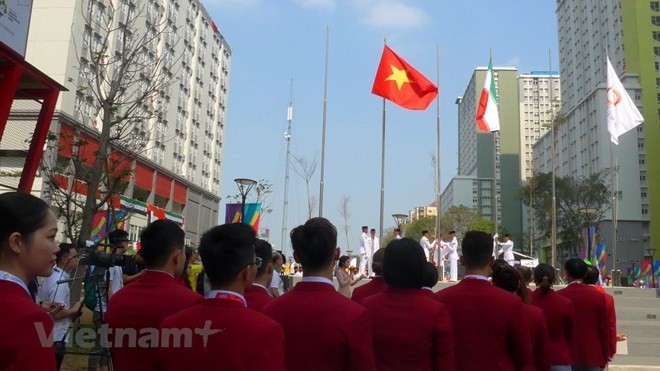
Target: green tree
x,y
580,202
414,228
481,224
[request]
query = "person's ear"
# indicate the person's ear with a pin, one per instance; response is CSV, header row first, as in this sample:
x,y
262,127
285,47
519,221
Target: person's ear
x,y
461,259
177,256
269,268
15,242
337,253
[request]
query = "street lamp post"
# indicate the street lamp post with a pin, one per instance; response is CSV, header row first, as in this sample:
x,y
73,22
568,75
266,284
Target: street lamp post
x,y
399,219
244,187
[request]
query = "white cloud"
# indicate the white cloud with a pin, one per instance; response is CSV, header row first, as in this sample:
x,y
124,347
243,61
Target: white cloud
x,y
324,4
388,13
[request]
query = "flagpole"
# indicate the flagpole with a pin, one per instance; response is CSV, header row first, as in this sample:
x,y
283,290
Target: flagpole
x,y
553,233
382,177
495,195
437,158
438,197
287,137
325,109
614,187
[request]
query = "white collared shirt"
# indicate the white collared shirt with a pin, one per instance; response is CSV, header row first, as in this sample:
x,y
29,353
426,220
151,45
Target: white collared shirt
x,y
475,277
318,279
57,293
213,293
6,276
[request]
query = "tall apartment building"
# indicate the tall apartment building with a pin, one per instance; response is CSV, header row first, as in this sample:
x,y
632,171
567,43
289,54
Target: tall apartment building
x,y
180,170
475,157
630,32
475,193
535,115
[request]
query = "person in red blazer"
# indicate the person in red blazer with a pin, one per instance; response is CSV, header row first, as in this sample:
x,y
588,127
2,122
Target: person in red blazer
x,y
510,279
257,295
147,301
589,349
377,283
411,331
430,279
591,278
27,250
323,329
559,316
488,333
226,334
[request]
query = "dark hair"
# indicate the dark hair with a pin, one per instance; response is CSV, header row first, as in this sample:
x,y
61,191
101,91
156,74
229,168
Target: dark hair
x,y
452,232
22,213
65,248
365,227
276,256
314,243
117,236
425,231
526,273
591,278
225,250
430,277
343,260
544,277
397,230
159,239
477,249
498,262
377,262
263,250
403,264
575,268
508,278
506,235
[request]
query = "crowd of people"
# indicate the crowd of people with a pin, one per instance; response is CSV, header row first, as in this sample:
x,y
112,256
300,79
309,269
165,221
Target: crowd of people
x,y
489,320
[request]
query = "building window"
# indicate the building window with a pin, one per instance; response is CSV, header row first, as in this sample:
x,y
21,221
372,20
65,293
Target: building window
x,y
657,66
656,51
655,20
656,35
655,6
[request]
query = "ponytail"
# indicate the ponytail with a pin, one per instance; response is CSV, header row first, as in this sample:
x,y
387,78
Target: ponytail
x,y
545,285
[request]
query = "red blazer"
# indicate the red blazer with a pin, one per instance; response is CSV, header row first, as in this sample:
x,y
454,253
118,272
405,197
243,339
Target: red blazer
x,y
23,321
144,304
323,329
411,331
560,321
611,321
590,341
244,339
257,298
376,285
488,331
538,333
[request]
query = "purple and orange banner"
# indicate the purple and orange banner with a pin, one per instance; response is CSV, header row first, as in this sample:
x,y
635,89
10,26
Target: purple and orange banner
x,y
252,214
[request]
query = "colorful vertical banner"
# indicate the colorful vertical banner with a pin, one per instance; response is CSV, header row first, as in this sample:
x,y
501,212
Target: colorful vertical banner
x,y
656,272
645,271
252,214
106,221
600,261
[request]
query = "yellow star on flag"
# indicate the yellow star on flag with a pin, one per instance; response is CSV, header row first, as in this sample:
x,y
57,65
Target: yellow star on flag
x,y
400,76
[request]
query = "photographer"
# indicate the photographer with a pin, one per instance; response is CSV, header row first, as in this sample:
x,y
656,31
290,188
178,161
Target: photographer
x,y
113,276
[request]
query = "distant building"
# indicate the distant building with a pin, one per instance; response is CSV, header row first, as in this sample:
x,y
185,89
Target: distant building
x,y
630,31
423,211
180,171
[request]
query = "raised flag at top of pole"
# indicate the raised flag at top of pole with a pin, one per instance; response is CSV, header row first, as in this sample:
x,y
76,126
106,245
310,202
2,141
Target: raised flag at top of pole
x,y
401,83
488,118
622,114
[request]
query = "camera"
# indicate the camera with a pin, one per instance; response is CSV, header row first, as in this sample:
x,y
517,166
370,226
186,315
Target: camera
x,y
102,259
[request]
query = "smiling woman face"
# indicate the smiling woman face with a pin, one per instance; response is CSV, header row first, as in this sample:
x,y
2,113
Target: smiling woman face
x,y
37,253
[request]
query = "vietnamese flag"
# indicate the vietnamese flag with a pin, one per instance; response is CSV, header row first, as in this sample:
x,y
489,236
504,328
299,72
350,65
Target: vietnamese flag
x,y
400,83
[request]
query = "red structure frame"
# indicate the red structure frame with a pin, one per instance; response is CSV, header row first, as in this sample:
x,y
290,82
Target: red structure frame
x,y
20,80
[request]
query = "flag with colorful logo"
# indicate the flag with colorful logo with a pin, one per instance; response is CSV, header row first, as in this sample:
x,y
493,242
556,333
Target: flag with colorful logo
x,y
622,113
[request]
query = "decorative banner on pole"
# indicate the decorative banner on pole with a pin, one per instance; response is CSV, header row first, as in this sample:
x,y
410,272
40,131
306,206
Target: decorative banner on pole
x,y
600,261
104,222
252,214
645,271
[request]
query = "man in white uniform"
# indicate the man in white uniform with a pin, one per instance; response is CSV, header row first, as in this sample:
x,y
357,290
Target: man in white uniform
x,y
397,234
50,291
374,244
452,254
365,259
506,248
428,246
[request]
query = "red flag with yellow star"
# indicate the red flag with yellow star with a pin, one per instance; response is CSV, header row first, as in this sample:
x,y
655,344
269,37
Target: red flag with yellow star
x,y
400,83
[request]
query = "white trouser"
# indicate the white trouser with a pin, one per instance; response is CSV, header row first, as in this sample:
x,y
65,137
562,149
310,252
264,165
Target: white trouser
x,y
365,261
454,269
